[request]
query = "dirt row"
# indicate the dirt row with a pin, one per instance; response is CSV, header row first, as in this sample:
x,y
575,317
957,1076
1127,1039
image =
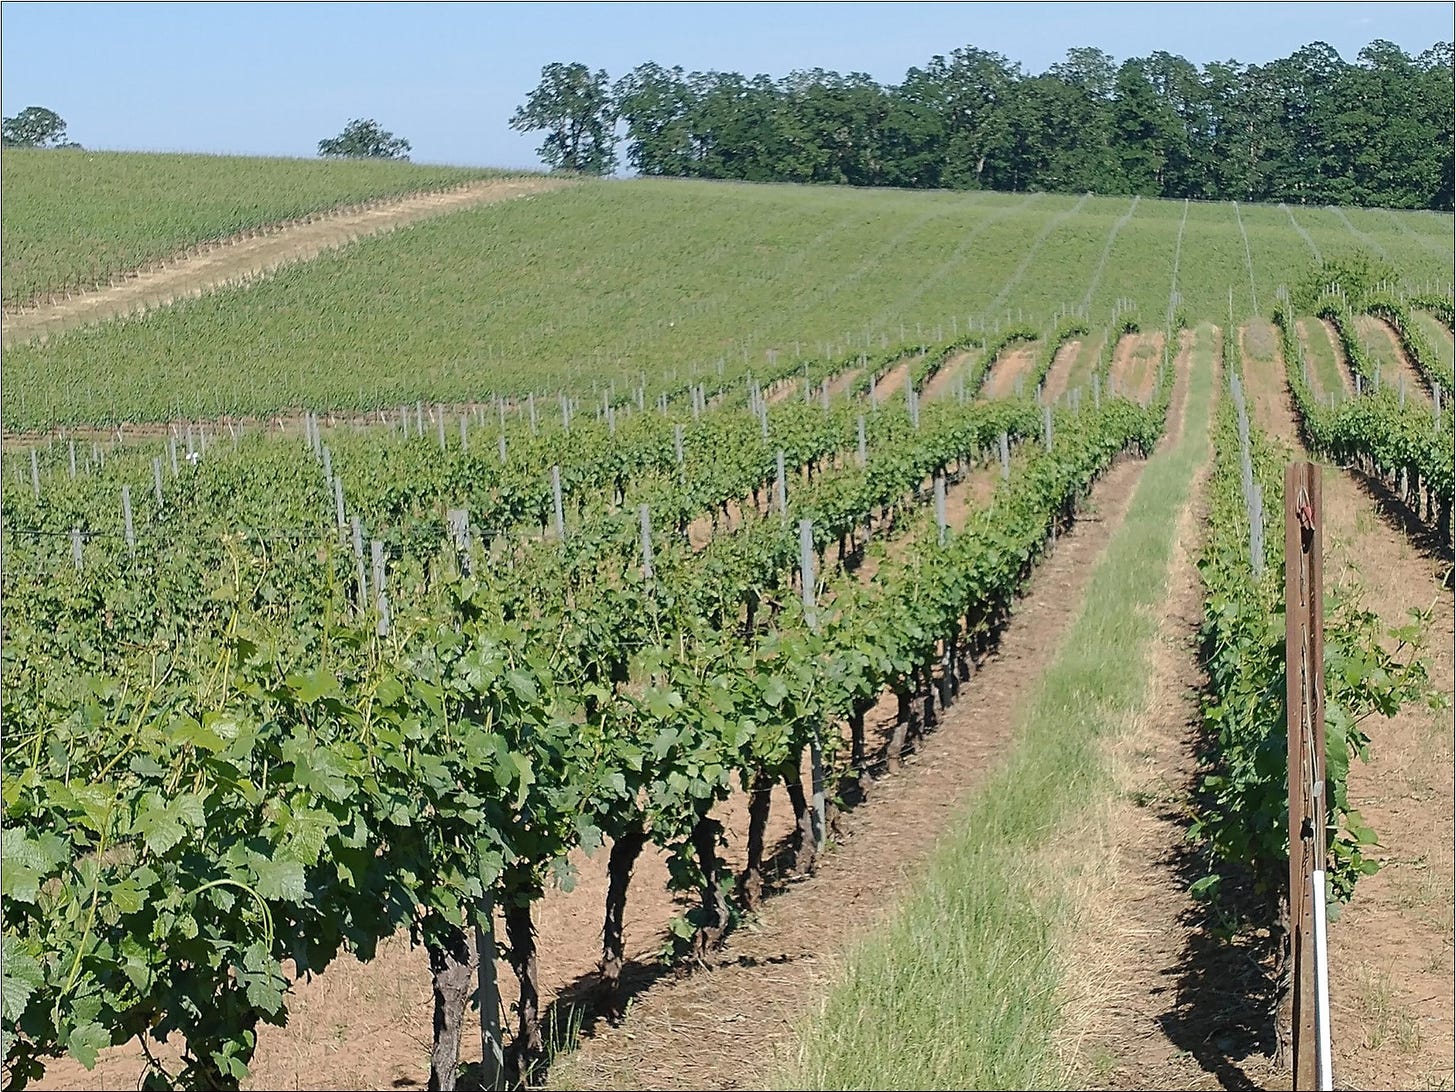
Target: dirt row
x,y
1161,1000
251,255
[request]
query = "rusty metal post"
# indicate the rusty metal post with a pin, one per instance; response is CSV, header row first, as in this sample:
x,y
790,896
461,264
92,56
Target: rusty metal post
x,y
1305,725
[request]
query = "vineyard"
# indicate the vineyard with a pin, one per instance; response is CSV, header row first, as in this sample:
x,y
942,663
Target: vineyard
x,y
666,529
669,284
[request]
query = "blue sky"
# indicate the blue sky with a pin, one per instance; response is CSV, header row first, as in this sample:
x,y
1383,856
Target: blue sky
x,y
277,78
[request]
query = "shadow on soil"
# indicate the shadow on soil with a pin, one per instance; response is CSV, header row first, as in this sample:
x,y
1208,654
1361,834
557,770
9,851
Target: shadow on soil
x,y
1398,515
1224,1015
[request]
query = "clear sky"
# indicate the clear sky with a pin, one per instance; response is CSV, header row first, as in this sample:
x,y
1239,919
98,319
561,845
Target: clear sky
x,y
277,78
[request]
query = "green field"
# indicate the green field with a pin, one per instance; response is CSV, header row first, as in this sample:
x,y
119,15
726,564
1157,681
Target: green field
x,y
657,281
78,218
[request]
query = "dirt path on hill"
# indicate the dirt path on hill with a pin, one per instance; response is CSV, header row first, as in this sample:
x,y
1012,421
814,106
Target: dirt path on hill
x,y
842,382
252,254
1342,363
1059,378
1395,366
1007,368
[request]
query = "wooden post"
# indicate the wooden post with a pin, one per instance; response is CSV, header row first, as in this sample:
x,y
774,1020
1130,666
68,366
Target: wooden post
x,y
940,507
157,480
1305,728
420,418
464,434
172,453
71,447
126,518
76,547
376,555
780,487
646,515
807,582
863,453
556,502
531,406
1005,456
34,474
357,532
677,443
339,506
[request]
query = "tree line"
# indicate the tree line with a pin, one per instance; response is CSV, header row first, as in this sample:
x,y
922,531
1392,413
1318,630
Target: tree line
x,y
1310,128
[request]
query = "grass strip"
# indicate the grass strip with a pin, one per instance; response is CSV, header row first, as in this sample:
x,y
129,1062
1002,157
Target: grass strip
x,y
959,988
1324,365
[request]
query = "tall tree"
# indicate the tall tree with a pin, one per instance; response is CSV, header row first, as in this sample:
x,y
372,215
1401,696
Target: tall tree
x,y
657,103
1086,162
576,108
1437,70
1146,132
34,127
364,139
1307,128
970,91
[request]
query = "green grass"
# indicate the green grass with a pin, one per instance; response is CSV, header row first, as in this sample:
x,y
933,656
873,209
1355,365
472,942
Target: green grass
x,y
1324,365
959,989
78,218
1436,333
1381,350
659,279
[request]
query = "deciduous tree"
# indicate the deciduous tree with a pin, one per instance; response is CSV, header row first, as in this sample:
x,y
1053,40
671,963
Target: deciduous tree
x,y
576,109
364,139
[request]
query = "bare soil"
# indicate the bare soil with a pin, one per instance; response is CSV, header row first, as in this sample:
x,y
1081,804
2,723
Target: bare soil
x,y
942,384
1135,364
1010,366
893,381
250,255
